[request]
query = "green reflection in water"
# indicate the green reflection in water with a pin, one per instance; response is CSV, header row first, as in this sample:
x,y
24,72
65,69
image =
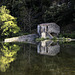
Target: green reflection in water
x,y
29,62
8,54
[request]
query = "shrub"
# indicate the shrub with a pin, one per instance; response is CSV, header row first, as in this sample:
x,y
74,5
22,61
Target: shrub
x,y
60,14
8,24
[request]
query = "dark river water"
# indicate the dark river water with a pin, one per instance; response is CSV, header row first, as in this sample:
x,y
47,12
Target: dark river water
x,y
44,58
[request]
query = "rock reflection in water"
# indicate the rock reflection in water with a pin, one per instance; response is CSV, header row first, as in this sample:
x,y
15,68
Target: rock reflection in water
x,y
48,48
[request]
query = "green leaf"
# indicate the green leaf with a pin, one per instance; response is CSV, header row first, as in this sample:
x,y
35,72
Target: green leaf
x,y
7,22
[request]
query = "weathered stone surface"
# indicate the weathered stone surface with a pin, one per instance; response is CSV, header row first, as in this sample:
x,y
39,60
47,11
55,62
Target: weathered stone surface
x,y
48,30
44,30
25,38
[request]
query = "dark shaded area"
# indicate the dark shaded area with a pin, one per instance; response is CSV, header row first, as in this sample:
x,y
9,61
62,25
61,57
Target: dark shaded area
x,y
29,62
30,13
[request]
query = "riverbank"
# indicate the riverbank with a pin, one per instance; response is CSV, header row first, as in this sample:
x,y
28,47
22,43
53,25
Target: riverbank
x,y
25,38
68,31
68,35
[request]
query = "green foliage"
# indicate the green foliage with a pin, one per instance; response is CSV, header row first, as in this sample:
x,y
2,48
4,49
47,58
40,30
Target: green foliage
x,y
3,10
30,13
7,55
60,14
54,38
71,35
60,36
7,22
61,39
42,39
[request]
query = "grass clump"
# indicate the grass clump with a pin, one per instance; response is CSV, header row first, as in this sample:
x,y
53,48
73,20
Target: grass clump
x,y
71,35
54,38
42,39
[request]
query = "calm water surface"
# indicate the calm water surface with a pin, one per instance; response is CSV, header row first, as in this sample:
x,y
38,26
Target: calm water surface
x,y
45,58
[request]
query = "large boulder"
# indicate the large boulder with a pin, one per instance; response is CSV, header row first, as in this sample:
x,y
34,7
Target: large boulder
x,y
48,30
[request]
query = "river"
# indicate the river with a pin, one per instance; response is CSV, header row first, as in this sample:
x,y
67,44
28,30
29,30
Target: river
x,y
43,58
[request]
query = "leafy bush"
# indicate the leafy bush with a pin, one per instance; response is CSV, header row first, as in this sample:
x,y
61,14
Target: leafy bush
x,y
54,38
8,24
42,39
70,35
60,14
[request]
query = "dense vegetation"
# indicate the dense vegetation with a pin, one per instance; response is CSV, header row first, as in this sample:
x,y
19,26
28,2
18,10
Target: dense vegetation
x,y
25,60
19,17
8,24
30,13
8,53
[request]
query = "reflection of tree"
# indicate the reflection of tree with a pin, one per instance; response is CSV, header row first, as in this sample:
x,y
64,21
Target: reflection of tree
x,y
7,55
31,63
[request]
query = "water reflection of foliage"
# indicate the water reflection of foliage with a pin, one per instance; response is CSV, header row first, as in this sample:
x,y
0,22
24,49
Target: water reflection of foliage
x,y
31,63
8,54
